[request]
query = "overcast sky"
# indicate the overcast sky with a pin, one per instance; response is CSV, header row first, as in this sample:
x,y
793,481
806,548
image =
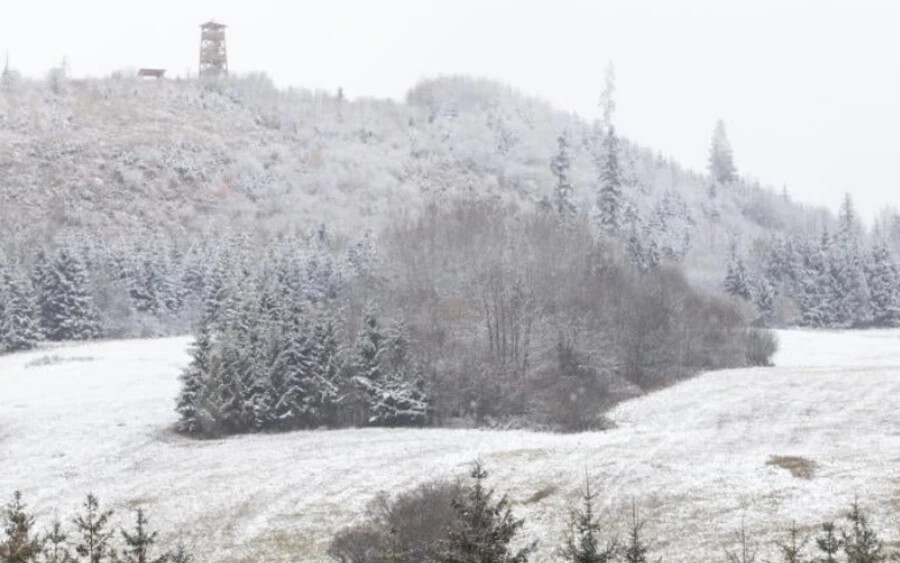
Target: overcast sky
x,y
809,90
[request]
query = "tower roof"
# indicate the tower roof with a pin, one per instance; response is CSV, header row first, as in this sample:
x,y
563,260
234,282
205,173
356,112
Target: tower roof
x,y
213,25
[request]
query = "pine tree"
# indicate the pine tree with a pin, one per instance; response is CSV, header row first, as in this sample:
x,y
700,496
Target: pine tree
x,y
583,544
55,542
609,200
19,544
721,160
560,166
94,544
139,543
194,381
18,318
483,529
64,298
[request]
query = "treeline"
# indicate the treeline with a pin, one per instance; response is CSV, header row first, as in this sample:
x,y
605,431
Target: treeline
x,y
84,288
474,311
839,280
454,522
92,538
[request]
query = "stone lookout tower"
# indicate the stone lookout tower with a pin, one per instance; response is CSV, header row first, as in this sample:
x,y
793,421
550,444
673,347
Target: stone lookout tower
x,y
213,56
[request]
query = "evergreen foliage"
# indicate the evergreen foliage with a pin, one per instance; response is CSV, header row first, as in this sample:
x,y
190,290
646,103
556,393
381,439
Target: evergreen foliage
x,y
20,544
94,543
585,543
560,167
609,200
18,314
139,543
65,301
484,529
721,159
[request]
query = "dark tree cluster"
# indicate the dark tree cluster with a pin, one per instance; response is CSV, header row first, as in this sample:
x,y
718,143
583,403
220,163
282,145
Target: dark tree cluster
x,y
496,316
275,350
90,537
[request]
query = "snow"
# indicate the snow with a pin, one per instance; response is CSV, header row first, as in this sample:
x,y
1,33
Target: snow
x,y
98,417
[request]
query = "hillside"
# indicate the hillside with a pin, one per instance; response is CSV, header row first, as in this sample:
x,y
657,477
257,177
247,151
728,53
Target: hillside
x,y
98,416
179,158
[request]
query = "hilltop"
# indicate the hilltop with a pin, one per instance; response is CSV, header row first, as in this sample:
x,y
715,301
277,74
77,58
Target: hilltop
x,y
118,156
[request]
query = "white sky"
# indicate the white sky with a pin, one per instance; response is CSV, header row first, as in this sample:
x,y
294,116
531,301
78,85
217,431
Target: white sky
x,y
809,90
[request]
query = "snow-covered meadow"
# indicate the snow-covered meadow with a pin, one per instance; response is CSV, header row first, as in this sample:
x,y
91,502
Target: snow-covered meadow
x,y
98,417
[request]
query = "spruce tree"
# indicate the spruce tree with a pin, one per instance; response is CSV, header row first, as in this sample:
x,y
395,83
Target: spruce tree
x,y
19,328
829,544
583,544
635,549
66,305
326,358
484,528
194,382
721,160
370,350
607,96
883,280
19,544
609,200
791,548
56,545
92,525
139,543
400,399
180,555
736,280
560,166
292,379
861,543
227,393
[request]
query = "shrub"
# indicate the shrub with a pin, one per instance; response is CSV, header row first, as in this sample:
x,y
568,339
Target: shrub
x,y
402,528
761,346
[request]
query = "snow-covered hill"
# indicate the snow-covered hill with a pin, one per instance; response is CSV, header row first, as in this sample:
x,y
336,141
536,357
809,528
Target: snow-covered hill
x,y
97,417
174,158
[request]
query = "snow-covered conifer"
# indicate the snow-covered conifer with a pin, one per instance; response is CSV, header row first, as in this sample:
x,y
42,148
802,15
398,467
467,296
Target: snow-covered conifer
x,y
19,543
139,543
560,166
194,382
65,301
721,160
19,328
883,279
609,200
92,526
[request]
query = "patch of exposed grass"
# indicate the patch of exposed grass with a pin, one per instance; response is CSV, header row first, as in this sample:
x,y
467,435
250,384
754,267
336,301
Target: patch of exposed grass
x,y
799,467
541,494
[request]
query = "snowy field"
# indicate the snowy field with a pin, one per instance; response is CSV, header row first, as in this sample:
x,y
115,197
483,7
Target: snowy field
x,y
97,417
